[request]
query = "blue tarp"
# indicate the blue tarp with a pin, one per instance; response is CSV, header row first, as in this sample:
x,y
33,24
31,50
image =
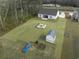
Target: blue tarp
x,y
26,48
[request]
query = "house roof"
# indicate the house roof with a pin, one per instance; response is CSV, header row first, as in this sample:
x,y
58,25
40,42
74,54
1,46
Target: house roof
x,y
48,11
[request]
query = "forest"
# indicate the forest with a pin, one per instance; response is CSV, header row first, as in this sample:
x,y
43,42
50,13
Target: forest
x,y
16,12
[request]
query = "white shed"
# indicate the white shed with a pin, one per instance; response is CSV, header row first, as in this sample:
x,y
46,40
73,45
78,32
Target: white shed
x,y
51,36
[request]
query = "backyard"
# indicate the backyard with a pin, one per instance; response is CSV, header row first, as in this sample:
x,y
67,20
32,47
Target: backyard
x,y
12,42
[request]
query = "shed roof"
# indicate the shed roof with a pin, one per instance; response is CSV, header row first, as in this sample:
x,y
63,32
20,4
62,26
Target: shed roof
x,y
52,33
48,11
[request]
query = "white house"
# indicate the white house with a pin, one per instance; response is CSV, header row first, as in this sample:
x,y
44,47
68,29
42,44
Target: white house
x,y
51,36
48,14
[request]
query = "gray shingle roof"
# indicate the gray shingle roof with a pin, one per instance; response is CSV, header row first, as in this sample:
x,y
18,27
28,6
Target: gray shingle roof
x,y
48,11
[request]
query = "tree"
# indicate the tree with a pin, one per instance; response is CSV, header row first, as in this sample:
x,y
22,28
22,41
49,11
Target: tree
x,y
1,22
55,2
16,14
3,13
34,6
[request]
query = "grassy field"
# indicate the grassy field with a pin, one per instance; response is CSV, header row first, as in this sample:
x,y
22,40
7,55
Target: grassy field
x,y
71,41
12,42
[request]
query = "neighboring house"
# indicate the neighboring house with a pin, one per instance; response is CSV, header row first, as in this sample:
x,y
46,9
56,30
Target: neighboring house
x,y
76,15
48,14
51,36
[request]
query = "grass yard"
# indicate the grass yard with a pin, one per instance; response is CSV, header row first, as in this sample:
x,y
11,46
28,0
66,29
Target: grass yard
x,y
12,42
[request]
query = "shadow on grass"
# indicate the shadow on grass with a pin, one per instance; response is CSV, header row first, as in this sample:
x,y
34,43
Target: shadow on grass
x,y
42,37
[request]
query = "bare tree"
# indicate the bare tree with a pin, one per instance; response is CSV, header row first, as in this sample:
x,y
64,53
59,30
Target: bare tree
x,y
3,12
15,9
21,8
1,22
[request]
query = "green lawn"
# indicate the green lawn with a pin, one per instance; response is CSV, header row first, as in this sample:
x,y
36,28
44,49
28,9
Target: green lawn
x,y
13,41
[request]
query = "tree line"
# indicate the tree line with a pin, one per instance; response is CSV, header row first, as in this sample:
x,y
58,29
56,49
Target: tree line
x,y
74,3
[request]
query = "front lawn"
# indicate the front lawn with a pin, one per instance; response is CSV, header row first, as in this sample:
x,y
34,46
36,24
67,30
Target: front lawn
x,y
14,40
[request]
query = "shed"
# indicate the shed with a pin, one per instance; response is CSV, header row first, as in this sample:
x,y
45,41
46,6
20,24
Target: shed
x,y
76,15
51,36
48,14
